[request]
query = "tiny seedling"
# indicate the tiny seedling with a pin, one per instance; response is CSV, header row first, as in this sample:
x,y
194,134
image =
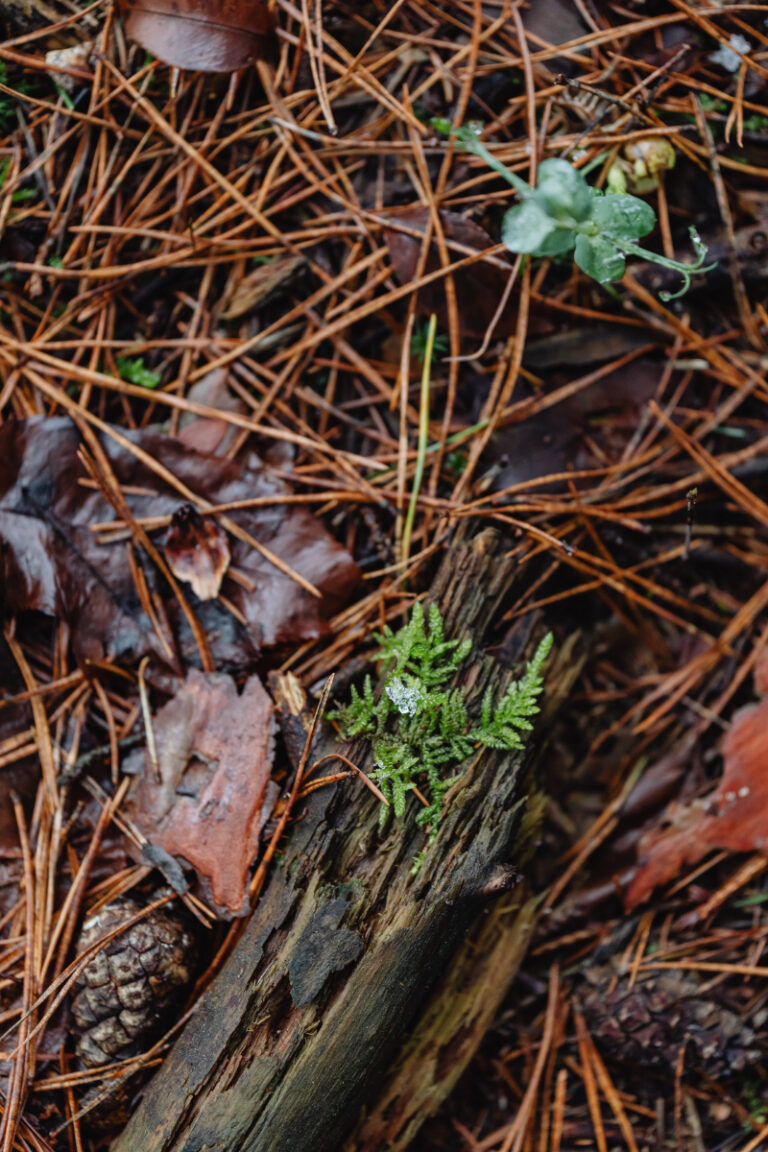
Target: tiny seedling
x,y
564,214
419,344
131,368
419,728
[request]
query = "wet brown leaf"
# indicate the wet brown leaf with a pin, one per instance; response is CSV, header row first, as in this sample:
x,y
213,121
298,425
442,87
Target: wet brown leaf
x,y
479,287
214,794
734,816
197,551
57,565
553,440
201,35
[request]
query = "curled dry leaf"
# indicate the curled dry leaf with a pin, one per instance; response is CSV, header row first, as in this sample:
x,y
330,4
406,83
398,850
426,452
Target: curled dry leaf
x,y
214,792
479,286
102,586
202,35
734,816
197,551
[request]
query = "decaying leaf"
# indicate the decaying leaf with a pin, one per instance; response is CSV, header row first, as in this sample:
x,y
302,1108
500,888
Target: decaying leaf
x,y
734,816
554,440
214,794
204,433
109,591
203,35
197,551
479,287
77,57
263,282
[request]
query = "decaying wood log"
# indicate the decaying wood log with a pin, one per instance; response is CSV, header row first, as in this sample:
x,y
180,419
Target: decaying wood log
x,y
358,993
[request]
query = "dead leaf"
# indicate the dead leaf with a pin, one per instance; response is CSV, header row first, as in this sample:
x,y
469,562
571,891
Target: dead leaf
x,y
197,551
204,433
201,35
553,440
57,565
479,287
734,816
260,284
77,58
214,753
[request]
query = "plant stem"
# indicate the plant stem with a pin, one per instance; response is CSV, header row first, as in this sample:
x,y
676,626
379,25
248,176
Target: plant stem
x,y
473,143
685,270
421,450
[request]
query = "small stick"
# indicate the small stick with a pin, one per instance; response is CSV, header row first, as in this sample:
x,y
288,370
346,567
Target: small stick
x,y
146,713
690,497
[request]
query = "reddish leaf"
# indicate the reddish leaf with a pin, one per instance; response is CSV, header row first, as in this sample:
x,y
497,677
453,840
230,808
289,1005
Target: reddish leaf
x,y
214,752
205,433
203,35
197,551
734,816
479,286
56,564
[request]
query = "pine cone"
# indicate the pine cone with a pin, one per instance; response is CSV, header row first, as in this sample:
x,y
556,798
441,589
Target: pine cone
x,y
646,1026
128,988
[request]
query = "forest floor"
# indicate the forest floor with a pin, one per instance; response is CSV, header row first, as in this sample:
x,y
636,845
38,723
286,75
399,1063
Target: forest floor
x,y
279,296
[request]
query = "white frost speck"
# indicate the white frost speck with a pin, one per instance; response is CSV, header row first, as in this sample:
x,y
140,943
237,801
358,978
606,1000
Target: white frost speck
x,y
727,55
743,792
405,697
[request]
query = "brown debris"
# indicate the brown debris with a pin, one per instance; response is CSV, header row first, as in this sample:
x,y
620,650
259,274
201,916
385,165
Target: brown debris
x,y
126,991
480,285
57,563
197,551
206,35
644,1023
214,794
733,816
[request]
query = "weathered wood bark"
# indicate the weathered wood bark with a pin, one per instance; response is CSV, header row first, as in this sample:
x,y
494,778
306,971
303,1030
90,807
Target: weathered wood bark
x,y
358,993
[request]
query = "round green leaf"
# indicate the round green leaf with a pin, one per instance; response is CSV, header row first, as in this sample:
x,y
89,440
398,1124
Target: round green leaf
x,y
525,227
626,217
599,259
558,242
563,190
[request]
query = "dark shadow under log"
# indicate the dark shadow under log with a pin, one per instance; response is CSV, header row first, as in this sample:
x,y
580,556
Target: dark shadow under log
x,y
358,993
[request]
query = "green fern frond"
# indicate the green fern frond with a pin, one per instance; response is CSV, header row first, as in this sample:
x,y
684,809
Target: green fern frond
x,y
360,717
501,725
416,729
425,654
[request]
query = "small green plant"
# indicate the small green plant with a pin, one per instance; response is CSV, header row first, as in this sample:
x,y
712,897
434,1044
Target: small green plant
x,y
9,101
419,344
711,103
21,194
752,1094
564,214
131,368
419,727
